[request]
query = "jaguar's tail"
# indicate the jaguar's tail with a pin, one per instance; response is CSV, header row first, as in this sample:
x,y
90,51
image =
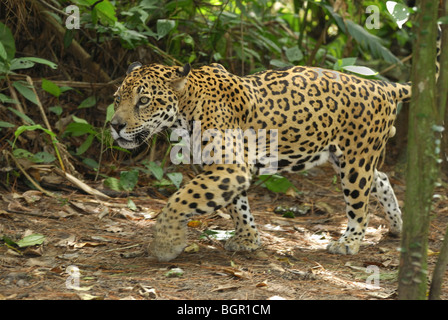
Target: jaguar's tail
x,y
403,91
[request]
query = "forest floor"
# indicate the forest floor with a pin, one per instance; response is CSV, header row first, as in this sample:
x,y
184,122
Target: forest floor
x,y
96,250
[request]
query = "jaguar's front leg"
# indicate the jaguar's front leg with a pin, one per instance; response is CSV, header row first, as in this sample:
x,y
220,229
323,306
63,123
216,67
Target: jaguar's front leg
x,y
213,189
246,236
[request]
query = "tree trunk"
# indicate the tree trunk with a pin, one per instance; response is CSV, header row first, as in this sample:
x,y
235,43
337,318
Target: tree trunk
x,y
442,102
422,158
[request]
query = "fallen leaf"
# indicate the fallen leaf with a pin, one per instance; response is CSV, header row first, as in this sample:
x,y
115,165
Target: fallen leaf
x,y
16,206
88,244
86,296
135,216
285,260
175,272
78,288
33,251
192,248
70,241
32,196
237,273
31,240
147,292
432,253
194,224
225,288
114,229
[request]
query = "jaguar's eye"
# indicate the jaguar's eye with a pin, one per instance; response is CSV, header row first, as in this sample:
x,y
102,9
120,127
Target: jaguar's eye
x,y
117,99
143,100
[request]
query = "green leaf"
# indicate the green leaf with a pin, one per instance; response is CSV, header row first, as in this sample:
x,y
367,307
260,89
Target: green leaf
x,y
4,124
294,54
360,70
370,42
112,183
176,178
163,183
7,40
43,157
164,27
51,88
155,169
6,99
56,110
20,63
110,111
79,120
22,154
91,163
22,129
68,38
3,53
269,43
9,241
279,63
65,88
78,129
105,12
24,89
276,183
86,145
131,205
21,115
87,103
128,180
31,240
28,62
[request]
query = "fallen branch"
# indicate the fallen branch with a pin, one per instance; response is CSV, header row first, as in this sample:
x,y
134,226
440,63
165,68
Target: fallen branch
x,y
30,179
81,184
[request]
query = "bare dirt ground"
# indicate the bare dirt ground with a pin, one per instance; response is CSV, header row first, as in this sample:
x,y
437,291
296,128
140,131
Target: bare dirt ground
x,y
96,250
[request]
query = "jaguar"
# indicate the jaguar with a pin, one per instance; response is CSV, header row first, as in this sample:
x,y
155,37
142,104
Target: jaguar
x,y
313,115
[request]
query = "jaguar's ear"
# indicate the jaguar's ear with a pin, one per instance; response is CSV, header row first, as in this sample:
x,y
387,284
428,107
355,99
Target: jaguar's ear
x,y
133,66
182,73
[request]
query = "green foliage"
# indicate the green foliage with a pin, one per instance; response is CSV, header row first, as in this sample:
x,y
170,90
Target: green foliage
x,y
8,62
128,180
27,241
254,34
275,183
244,36
174,178
8,65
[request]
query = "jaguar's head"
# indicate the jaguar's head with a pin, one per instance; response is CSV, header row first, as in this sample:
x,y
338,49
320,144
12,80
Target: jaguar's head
x,y
146,102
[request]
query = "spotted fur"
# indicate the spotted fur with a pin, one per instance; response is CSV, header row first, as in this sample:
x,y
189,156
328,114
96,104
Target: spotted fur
x,y
321,115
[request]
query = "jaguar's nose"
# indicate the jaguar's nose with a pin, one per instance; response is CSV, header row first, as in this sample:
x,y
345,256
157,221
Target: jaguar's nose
x,y
117,124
